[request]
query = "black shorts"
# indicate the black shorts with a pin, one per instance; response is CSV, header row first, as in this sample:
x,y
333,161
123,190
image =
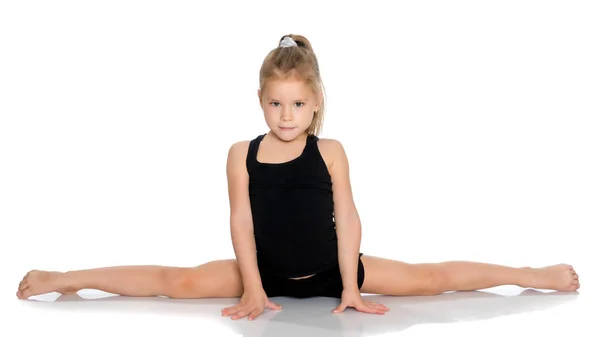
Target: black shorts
x,y
327,283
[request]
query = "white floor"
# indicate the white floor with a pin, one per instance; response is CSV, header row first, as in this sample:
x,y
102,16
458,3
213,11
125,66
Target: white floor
x,y
495,312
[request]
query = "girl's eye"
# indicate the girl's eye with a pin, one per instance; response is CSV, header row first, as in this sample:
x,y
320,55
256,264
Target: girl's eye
x,y
298,106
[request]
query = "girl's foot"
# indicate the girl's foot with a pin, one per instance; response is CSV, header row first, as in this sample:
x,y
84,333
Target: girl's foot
x,y
38,282
561,277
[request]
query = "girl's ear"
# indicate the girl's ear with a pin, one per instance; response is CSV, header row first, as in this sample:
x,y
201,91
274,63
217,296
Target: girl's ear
x,y
319,102
259,97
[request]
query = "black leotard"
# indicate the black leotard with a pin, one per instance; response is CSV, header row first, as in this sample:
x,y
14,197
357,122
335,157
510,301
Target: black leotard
x,y
292,212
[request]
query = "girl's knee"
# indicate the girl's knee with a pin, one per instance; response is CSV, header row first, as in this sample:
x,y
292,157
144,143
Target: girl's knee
x,y
177,282
435,281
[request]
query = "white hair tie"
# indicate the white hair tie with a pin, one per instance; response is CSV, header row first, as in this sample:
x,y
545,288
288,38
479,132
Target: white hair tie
x,y
288,42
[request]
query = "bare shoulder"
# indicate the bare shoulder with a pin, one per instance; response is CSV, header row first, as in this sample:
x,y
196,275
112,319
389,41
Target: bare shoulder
x,y
236,158
237,179
334,155
332,151
238,150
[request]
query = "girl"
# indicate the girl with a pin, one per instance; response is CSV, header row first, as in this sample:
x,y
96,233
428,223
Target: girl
x,y
294,226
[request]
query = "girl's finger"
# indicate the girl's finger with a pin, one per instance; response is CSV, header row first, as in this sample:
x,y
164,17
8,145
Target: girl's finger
x,y
239,314
273,306
377,310
230,310
367,309
378,306
254,313
242,311
340,308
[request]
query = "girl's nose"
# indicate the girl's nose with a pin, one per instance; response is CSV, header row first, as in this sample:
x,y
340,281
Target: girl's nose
x,y
287,115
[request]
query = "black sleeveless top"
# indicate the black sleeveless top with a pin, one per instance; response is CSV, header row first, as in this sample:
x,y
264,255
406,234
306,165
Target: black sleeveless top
x,y
292,212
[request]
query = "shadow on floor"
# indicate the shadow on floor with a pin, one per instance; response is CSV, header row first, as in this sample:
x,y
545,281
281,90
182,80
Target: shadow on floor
x,y
301,317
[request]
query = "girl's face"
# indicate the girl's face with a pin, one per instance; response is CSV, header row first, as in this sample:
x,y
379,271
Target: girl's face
x,y
289,106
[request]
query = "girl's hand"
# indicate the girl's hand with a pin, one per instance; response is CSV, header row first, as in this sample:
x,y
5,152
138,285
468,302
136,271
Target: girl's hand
x,y
352,298
252,303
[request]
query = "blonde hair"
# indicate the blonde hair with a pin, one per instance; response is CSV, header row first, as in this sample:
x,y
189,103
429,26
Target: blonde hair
x,y
296,61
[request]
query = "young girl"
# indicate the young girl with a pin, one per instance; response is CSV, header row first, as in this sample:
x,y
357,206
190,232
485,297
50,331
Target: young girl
x,y
294,226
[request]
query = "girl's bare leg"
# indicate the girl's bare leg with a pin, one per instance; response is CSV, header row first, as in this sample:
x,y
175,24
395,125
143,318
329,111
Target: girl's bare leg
x,y
219,278
391,277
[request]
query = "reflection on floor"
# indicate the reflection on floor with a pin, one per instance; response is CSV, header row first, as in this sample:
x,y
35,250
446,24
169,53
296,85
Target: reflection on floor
x,y
313,316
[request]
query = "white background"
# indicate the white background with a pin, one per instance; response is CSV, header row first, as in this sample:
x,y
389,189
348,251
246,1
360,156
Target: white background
x,y
472,130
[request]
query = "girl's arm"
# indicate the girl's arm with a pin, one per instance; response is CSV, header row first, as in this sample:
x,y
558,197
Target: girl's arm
x,y
241,225
348,226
